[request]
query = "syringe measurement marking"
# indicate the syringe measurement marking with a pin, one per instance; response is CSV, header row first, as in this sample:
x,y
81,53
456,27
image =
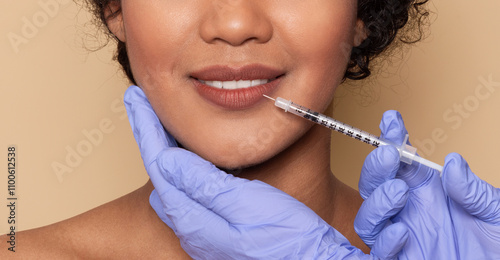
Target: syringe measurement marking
x,y
327,122
407,153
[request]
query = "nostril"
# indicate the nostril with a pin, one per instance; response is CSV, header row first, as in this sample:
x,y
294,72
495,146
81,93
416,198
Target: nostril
x,y
240,23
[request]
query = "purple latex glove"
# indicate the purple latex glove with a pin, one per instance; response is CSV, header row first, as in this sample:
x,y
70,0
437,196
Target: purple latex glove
x,y
218,216
456,217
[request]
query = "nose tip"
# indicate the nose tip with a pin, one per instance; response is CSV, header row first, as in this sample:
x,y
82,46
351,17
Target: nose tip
x,y
236,24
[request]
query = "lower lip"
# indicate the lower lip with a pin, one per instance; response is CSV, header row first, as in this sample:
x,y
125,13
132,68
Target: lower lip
x,y
235,99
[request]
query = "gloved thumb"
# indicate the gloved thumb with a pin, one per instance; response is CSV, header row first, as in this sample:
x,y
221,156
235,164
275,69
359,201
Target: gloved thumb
x,y
380,165
392,127
157,205
476,196
390,242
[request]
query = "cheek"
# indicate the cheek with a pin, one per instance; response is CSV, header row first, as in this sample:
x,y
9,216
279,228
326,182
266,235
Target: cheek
x,y
322,36
156,41
321,40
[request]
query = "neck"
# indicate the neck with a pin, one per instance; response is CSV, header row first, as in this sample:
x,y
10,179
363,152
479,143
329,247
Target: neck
x,y
303,171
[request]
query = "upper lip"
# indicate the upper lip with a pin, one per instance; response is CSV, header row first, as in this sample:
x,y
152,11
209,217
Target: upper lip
x,y
227,73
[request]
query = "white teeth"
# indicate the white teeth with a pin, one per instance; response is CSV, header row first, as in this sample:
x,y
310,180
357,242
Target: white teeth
x,y
228,84
243,83
235,84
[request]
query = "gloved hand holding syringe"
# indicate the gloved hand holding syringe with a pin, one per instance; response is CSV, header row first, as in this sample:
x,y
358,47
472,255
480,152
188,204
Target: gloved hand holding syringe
x,y
407,153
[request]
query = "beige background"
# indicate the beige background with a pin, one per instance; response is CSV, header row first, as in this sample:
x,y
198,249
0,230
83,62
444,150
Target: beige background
x,y
54,91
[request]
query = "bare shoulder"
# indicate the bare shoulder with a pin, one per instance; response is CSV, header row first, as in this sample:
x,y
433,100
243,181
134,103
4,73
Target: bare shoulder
x,y
126,228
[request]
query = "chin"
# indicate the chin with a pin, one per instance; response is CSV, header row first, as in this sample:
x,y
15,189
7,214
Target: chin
x,y
232,163
235,165
236,169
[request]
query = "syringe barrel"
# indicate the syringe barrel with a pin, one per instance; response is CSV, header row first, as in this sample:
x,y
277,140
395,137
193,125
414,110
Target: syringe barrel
x,y
329,122
407,153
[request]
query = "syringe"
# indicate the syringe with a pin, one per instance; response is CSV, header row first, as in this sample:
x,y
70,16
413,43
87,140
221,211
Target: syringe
x,y
407,153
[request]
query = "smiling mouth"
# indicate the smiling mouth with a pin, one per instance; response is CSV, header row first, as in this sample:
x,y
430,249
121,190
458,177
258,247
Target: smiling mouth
x,y
236,88
236,84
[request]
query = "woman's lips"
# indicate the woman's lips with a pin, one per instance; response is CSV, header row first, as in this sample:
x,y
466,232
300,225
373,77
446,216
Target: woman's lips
x,y
242,84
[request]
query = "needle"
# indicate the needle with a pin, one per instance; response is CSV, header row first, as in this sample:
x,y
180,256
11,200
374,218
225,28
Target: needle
x,y
269,97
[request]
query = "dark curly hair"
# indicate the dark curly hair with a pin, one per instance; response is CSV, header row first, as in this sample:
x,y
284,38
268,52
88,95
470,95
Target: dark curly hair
x,y
384,20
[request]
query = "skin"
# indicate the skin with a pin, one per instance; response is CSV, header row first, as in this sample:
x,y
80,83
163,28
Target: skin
x,y
167,41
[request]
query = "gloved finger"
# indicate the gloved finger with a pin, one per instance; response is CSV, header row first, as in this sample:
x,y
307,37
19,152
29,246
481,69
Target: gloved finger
x,y
224,193
391,241
194,224
184,215
476,196
157,205
383,163
393,129
380,165
199,179
147,128
375,212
